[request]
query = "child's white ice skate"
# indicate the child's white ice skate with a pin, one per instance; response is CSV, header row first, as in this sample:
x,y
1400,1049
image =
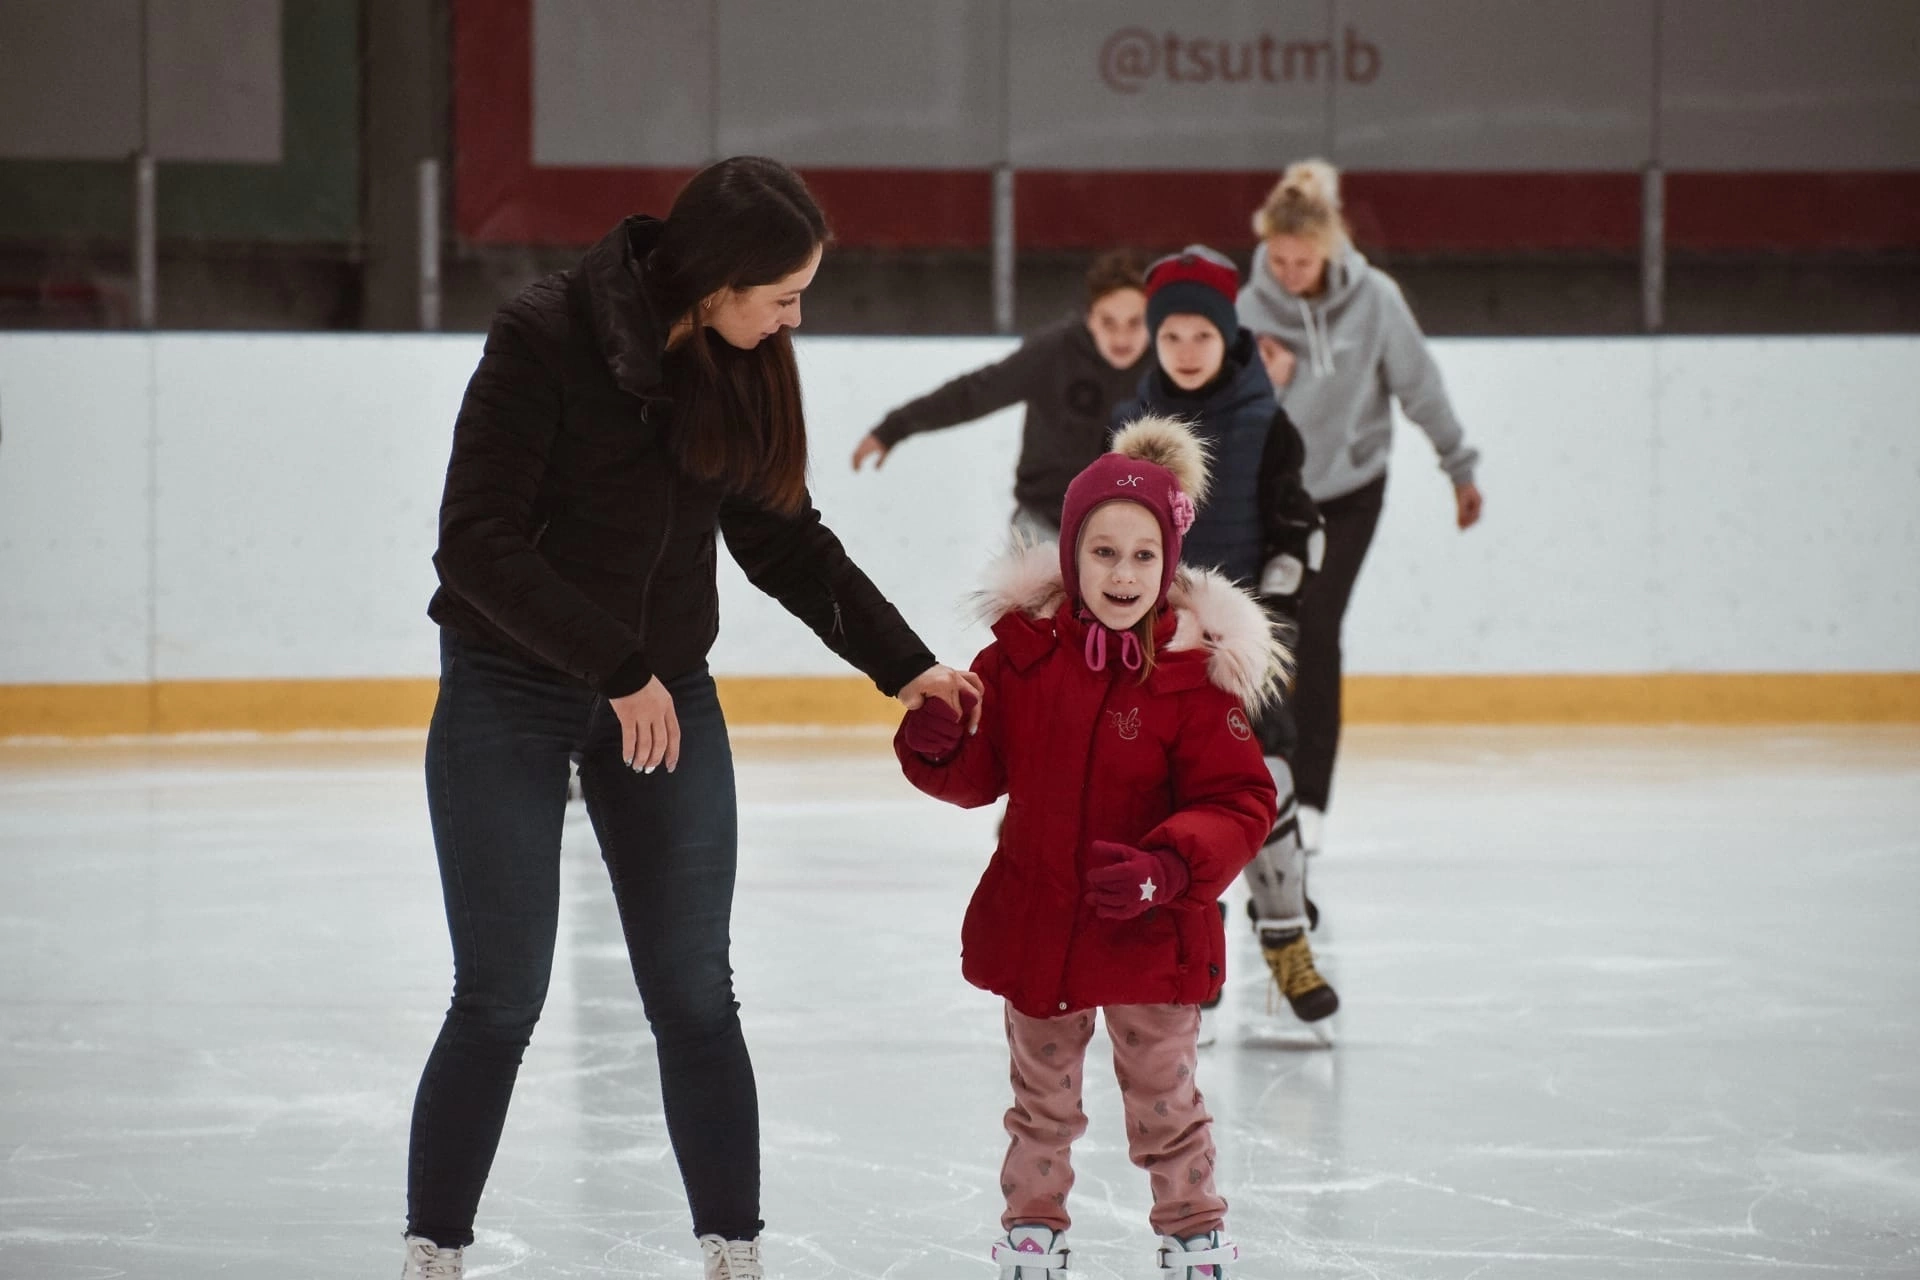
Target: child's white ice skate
x,y
1032,1252
1202,1257
427,1261
731,1259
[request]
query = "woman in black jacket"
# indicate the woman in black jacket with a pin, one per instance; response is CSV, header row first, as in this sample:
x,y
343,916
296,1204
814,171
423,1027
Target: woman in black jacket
x,y
625,415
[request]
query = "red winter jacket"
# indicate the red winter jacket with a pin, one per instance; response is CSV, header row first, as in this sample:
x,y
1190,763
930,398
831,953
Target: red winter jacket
x,y
1087,755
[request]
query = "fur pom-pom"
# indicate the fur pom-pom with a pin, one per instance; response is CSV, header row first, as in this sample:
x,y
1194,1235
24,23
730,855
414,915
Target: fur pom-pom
x,y
1170,443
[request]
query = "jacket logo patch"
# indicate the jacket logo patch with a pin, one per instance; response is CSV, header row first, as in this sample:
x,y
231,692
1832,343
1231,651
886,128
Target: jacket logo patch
x,y
1237,724
1127,726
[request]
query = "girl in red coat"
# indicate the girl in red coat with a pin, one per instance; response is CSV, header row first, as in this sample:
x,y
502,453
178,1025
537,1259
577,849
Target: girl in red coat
x,y
1119,688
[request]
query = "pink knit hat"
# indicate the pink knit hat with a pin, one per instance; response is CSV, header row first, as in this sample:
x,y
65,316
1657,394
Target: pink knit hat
x,y
1156,462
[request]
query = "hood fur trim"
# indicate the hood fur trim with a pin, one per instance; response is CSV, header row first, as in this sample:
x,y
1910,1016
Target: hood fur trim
x,y
1245,655
1024,580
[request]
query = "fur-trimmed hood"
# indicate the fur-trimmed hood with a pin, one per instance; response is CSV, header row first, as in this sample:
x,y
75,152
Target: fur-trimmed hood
x,y
1245,657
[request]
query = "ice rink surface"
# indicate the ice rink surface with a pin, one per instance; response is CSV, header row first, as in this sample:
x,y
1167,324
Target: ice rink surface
x,y
1617,1003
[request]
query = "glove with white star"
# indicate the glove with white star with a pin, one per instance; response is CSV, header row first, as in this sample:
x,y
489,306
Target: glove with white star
x,y
1123,882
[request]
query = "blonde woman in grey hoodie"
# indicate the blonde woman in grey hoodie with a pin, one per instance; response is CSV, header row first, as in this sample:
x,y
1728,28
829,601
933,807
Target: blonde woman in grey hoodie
x,y
1340,345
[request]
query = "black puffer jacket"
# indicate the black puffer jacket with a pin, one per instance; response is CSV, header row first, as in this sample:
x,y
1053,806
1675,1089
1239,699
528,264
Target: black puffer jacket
x,y
570,537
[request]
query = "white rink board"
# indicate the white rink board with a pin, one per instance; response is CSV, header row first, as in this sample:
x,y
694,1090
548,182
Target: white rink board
x,y
75,442
298,503
1652,505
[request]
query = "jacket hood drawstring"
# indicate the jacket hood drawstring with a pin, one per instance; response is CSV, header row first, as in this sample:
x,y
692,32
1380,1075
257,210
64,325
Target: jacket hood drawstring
x,y
1319,340
1096,647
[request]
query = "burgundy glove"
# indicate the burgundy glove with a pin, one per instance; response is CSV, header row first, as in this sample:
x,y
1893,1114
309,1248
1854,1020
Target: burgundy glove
x,y
932,731
1124,881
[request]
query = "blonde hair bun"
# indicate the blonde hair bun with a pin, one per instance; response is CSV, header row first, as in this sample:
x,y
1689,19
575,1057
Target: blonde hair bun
x,y
1305,202
1315,181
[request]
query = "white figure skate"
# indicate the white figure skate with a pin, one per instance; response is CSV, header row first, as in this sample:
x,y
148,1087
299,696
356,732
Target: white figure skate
x,y
1033,1253
427,1261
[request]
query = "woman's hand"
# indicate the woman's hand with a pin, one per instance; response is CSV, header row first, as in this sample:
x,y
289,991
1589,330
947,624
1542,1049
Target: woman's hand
x,y
946,684
870,446
1467,501
1278,359
649,730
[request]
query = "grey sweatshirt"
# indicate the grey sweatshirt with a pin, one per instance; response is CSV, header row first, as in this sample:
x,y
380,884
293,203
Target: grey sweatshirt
x,y
1357,346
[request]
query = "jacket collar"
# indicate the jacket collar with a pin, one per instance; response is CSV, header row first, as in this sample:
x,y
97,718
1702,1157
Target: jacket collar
x,y
1220,634
627,329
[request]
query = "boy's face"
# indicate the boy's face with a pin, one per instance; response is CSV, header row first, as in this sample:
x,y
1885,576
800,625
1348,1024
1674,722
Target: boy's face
x,y
1191,350
1118,323
1119,563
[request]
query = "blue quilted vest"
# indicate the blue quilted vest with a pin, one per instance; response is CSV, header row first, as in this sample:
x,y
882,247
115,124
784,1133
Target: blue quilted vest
x,y
1232,415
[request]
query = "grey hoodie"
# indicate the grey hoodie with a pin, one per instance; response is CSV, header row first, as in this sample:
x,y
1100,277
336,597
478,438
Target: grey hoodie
x,y
1357,347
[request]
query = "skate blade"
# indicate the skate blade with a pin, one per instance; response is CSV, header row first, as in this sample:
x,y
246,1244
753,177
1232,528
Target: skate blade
x,y
1290,1033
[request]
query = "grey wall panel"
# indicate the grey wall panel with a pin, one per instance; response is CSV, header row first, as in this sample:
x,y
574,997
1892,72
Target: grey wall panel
x,y
1790,84
69,79
1492,85
1141,85
214,80
622,82
862,82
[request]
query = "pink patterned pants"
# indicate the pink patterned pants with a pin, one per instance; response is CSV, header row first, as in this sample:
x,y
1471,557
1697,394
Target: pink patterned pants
x,y
1169,1133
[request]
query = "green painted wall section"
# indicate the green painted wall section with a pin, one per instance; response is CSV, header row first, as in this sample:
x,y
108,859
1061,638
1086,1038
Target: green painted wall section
x,y
312,196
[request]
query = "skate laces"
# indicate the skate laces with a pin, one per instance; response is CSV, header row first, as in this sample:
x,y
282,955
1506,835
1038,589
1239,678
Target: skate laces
x,y
430,1262
732,1259
1293,970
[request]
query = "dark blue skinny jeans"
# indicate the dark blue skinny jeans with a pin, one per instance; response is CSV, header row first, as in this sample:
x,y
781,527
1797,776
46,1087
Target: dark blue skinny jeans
x,y
502,735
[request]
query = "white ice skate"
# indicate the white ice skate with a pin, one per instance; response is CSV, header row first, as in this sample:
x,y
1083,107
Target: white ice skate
x,y
1032,1253
428,1261
1203,1257
731,1259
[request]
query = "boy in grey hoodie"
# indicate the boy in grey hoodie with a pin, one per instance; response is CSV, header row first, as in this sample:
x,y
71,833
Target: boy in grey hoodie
x,y
1340,345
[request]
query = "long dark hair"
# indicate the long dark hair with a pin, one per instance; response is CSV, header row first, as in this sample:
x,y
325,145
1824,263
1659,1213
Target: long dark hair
x,y
739,223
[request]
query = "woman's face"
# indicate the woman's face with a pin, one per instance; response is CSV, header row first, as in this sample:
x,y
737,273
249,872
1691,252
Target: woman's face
x,y
1118,323
748,317
1119,563
1298,263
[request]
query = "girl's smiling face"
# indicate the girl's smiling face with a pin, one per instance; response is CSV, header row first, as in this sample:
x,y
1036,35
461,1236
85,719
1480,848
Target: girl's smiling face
x,y
1120,563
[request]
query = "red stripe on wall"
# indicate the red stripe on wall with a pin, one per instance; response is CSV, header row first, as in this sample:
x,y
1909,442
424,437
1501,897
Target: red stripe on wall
x,y
906,208
500,197
1769,211
492,118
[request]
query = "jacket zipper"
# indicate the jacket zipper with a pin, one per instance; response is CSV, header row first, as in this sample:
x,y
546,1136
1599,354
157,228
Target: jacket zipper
x,y
660,553
1086,789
